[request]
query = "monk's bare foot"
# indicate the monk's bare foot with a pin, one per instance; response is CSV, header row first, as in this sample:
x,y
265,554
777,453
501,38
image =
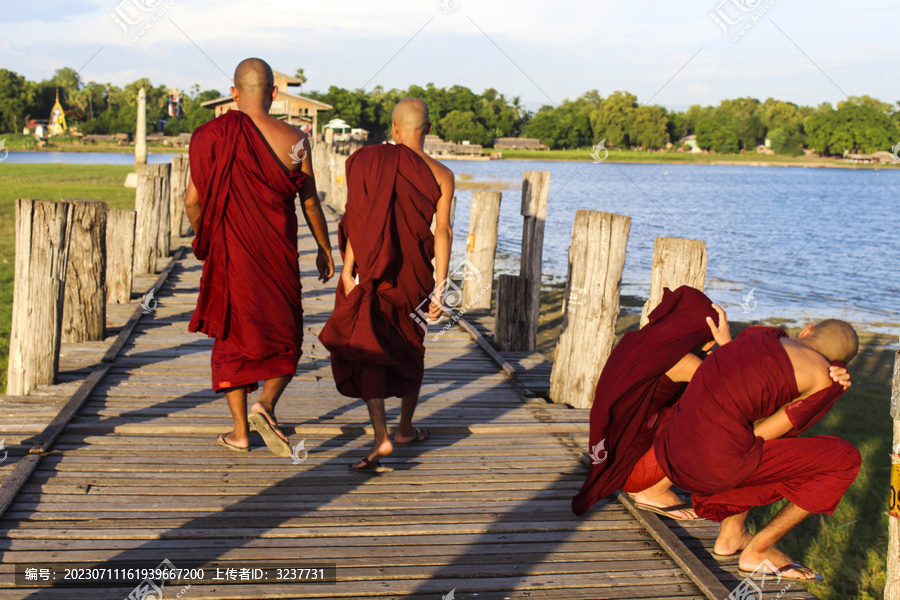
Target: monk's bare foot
x,y
413,436
270,417
731,542
377,452
237,441
663,500
752,560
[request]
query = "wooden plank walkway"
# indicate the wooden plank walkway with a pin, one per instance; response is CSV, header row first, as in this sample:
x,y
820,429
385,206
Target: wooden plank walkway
x,y
481,508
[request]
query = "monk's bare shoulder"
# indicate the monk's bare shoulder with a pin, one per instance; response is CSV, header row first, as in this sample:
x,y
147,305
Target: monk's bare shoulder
x,y
284,139
442,174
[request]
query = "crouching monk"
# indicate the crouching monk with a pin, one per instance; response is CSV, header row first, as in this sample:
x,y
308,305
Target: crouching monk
x,y
245,174
376,344
732,443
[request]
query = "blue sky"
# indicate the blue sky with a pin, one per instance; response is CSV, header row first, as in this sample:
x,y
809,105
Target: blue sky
x,y
669,53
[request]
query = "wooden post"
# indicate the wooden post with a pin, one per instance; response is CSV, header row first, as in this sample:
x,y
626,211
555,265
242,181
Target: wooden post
x,y
535,191
892,579
590,306
84,314
164,233
339,182
152,193
511,327
676,262
481,247
140,132
181,174
119,255
42,246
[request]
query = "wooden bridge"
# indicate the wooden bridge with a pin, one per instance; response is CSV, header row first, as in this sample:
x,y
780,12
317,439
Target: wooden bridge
x,y
482,507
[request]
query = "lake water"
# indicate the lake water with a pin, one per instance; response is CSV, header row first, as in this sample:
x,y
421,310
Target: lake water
x,y
812,243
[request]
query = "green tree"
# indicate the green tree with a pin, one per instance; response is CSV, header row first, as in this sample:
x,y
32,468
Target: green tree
x,y
16,93
649,127
299,75
460,126
714,136
612,120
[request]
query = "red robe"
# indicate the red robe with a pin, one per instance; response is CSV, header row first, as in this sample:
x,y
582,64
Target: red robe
x,y
375,340
706,444
249,297
631,389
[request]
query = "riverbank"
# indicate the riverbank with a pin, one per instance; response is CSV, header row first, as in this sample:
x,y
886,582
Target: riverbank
x,y
17,142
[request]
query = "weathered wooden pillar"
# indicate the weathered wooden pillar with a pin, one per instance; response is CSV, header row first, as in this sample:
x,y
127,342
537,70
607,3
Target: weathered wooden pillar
x,y
892,579
84,314
481,247
42,246
119,255
535,191
511,323
590,306
140,132
676,262
181,174
152,193
339,182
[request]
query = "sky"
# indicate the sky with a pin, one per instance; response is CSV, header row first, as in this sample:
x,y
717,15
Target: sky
x,y
669,53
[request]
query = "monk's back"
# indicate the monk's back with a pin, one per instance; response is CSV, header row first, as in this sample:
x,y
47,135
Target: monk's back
x,y
281,139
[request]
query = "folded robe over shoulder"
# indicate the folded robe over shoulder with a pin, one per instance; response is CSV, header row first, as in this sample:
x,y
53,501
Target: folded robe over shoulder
x,y
376,346
629,391
249,297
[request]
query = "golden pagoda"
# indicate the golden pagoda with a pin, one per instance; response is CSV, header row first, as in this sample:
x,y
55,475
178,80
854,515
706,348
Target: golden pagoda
x,y
57,123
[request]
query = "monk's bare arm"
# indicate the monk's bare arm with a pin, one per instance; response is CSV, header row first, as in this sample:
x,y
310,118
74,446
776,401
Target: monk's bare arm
x,y
193,207
773,427
315,218
684,369
443,236
347,271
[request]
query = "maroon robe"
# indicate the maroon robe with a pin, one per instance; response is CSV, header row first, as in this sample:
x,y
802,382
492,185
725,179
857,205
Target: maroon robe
x,y
706,444
376,344
626,399
250,288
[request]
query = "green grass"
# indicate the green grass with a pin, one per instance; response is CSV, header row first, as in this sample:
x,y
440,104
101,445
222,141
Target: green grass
x,y
73,143
48,182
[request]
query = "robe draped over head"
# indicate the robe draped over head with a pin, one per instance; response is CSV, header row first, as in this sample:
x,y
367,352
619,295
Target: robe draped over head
x,y
626,393
706,444
249,297
374,335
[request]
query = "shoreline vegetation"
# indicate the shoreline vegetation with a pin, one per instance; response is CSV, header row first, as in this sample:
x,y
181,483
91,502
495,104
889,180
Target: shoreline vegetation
x,y
848,548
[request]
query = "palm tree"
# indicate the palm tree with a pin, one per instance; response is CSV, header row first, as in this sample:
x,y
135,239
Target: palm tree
x,y
516,106
299,75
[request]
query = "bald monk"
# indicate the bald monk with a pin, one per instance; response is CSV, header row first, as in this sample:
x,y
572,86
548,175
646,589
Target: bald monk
x,y
732,443
376,346
245,174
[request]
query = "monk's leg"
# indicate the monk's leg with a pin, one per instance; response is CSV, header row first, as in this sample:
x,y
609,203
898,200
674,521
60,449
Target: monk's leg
x,y
382,445
405,431
237,403
733,535
762,545
268,398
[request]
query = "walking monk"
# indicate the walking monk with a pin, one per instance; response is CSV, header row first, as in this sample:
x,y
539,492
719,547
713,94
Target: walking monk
x,y
377,350
732,443
246,170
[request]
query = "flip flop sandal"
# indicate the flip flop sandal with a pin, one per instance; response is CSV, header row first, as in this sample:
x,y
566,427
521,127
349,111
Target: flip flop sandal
x,y
780,571
223,442
273,441
416,439
666,511
372,466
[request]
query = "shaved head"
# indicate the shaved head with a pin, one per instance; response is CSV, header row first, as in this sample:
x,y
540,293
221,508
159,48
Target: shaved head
x,y
836,339
254,79
410,116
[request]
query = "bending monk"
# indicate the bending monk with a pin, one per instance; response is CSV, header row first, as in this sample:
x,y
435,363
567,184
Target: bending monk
x,y
646,372
731,441
376,347
245,175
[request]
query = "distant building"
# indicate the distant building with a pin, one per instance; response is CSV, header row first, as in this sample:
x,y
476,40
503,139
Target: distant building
x,y
296,110
511,143
435,146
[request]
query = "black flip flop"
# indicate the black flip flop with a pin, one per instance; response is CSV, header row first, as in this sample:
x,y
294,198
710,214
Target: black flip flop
x,y
666,511
372,466
779,572
223,442
416,439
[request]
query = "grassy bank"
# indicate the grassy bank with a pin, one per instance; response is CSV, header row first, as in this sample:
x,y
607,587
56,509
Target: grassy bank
x,y
687,158
18,142
50,182
850,547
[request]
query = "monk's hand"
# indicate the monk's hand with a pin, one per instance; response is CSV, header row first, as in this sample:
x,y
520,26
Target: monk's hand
x,y
721,332
436,308
840,375
348,280
325,265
